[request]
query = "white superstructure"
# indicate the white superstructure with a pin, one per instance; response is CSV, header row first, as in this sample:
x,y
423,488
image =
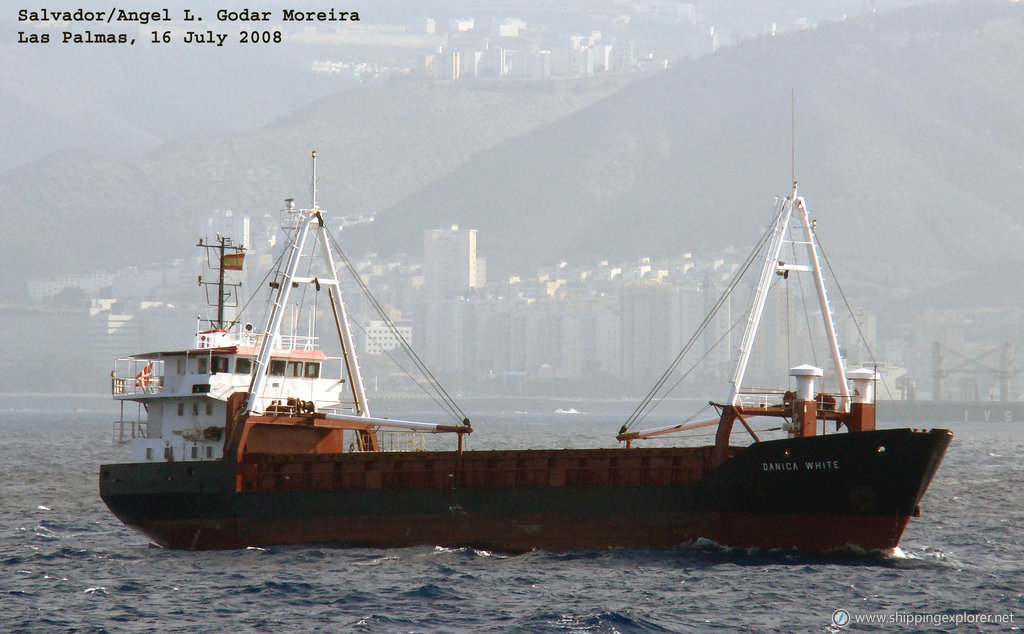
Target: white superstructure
x,y
182,394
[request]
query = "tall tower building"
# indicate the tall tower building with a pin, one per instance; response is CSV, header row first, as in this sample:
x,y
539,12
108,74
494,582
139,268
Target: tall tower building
x,y
450,265
646,311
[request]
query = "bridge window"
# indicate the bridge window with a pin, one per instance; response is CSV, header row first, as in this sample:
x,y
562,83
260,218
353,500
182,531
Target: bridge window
x,y
243,366
295,368
277,367
312,370
203,365
181,365
220,364
195,452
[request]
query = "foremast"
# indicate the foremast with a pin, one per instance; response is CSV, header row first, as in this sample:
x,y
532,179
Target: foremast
x,y
793,205
802,406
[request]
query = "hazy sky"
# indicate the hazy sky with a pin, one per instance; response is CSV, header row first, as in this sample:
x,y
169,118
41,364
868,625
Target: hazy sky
x,y
139,140
153,87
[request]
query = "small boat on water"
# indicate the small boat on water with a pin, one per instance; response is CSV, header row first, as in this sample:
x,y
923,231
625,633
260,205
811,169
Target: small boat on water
x,y
247,442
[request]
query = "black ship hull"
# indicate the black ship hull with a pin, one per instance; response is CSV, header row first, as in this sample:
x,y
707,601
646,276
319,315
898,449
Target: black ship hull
x,y
819,493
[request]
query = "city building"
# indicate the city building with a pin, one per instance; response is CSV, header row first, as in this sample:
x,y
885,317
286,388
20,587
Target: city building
x,y
450,264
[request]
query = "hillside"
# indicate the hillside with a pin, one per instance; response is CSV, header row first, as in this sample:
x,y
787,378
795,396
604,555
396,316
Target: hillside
x,y
909,152
378,145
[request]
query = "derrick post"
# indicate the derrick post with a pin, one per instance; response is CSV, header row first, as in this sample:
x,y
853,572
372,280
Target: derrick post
x,y
862,417
805,409
722,436
805,418
862,410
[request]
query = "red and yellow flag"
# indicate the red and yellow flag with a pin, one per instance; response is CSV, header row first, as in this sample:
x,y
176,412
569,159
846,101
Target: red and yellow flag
x,y
233,261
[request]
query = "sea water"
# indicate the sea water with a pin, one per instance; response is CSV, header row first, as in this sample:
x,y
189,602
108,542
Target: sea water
x,y
67,564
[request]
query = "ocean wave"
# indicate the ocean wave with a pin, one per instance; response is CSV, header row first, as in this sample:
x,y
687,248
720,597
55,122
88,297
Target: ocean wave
x,y
964,553
619,621
278,588
432,591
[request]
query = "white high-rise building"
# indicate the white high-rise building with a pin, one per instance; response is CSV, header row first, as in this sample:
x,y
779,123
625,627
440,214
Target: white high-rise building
x,y
380,338
450,265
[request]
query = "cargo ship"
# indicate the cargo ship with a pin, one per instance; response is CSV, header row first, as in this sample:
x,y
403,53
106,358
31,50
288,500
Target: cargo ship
x,y
247,442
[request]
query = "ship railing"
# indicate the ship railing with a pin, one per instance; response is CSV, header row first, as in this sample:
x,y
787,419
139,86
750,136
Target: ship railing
x,y
212,339
134,376
125,430
218,338
394,440
296,342
752,400
761,399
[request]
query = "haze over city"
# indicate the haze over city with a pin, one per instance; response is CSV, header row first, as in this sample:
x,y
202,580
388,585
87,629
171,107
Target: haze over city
x,y
602,158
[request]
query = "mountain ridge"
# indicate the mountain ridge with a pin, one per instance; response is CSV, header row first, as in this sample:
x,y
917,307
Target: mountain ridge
x,y
909,147
103,211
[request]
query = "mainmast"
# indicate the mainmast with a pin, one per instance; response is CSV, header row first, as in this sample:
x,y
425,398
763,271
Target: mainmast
x,y
306,221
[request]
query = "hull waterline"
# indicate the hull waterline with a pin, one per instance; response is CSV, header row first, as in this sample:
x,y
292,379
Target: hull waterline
x,y
817,493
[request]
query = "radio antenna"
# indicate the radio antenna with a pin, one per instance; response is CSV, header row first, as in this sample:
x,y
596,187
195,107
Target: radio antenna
x,y
792,130
312,186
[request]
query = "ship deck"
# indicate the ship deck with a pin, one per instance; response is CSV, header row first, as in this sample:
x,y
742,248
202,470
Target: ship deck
x,y
475,469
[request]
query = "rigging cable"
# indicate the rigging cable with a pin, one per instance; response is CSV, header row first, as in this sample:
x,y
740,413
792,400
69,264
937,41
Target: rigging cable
x,y
418,383
271,270
693,367
450,405
652,394
860,332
